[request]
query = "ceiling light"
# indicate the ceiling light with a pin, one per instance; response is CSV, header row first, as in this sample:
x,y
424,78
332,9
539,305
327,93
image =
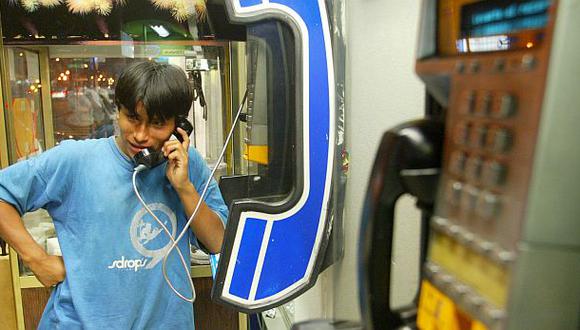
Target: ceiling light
x,y
160,29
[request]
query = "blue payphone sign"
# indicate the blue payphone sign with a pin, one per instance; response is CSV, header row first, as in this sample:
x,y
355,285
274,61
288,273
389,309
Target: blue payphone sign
x,y
273,252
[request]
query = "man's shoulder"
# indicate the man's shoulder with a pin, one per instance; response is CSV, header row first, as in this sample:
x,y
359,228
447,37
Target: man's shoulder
x,y
80,145
68,150
195,156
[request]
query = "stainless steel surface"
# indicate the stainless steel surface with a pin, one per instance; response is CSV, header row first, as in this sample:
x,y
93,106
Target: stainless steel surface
x,y
545,292
554,191
546,284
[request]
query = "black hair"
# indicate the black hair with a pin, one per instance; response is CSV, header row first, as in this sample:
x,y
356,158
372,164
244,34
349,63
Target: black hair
x,y
163,88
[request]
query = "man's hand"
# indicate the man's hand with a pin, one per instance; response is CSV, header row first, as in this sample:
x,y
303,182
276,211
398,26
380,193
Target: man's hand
x,y
207,226
48,270
178,168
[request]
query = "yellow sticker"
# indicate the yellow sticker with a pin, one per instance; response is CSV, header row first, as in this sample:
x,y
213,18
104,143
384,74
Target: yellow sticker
x,y
425,321
476,325
427,299
439,312
447,317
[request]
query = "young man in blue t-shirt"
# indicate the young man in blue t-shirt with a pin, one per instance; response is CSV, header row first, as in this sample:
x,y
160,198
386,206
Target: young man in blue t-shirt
x,y
110,273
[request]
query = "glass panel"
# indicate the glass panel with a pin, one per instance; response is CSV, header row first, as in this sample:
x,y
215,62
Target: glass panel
x,y
88,52
24,115
83,79
86,55
82,90
98,40
26,127
471,26
3,142
267,133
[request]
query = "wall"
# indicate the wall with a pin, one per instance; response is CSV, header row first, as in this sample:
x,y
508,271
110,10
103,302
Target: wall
x,y
382,91
8,310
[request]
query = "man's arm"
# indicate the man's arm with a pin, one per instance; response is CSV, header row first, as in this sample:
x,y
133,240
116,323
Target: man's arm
x,y
48,269
207,226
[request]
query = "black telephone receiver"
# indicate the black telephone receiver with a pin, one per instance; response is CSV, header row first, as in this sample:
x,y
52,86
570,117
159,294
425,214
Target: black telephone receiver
x,y
151,158
408,161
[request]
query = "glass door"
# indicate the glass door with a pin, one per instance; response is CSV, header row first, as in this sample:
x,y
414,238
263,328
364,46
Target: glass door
x,y
60,73
24,113
25,122
3,143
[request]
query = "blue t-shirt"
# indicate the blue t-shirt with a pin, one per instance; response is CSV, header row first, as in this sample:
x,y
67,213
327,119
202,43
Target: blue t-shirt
x,y
112,248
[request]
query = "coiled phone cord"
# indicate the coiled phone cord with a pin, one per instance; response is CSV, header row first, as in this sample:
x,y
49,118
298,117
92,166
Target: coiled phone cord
x,y
201,198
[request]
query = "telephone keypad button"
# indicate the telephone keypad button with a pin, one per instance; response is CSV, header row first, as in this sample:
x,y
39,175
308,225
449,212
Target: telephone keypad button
x,y
462,133
503,256
454,191
502,140
468,102
494,173
486,102
473,168
508,106
460,67
469,198
488,205
499,65
457,163
479,137
528,62
474,66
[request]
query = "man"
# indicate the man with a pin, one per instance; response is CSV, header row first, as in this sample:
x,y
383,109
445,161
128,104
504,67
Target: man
x,y
110,273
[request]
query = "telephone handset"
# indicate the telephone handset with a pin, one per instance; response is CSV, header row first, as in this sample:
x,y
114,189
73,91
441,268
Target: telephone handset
x,y
151,158
408,161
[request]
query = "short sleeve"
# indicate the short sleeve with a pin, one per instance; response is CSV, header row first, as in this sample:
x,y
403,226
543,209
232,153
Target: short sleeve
x,y
199,174
35,183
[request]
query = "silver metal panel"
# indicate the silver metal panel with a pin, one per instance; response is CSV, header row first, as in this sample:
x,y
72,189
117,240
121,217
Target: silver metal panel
x,y
427,45
554,198
545,289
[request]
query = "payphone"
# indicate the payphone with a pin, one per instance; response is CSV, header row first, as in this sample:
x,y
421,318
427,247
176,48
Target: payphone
x,y
503,242
283,217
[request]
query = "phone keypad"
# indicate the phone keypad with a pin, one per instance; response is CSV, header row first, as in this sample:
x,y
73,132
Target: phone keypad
x,y
480,138
501,140
507,107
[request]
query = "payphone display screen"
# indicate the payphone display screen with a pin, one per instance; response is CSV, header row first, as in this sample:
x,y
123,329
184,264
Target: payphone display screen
x,y
491,25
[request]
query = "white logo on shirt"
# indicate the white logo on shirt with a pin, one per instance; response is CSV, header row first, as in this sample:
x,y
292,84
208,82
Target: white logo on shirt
x,y
123,263
149,238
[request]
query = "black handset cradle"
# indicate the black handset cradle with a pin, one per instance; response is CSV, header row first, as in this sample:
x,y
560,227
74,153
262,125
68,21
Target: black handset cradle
x,y
151,158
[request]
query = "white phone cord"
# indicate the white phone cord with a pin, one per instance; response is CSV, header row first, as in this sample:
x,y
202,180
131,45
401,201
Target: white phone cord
x,y
185,265
201,197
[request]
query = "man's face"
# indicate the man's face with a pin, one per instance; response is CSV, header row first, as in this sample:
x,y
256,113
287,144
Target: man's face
x,y
139,131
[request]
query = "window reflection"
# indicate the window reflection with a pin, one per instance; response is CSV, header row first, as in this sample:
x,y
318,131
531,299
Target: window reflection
x,y
82,90
24,116
82,95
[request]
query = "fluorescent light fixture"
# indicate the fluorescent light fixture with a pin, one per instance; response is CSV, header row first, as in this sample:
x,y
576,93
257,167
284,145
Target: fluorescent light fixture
x,y
483,44
160,29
